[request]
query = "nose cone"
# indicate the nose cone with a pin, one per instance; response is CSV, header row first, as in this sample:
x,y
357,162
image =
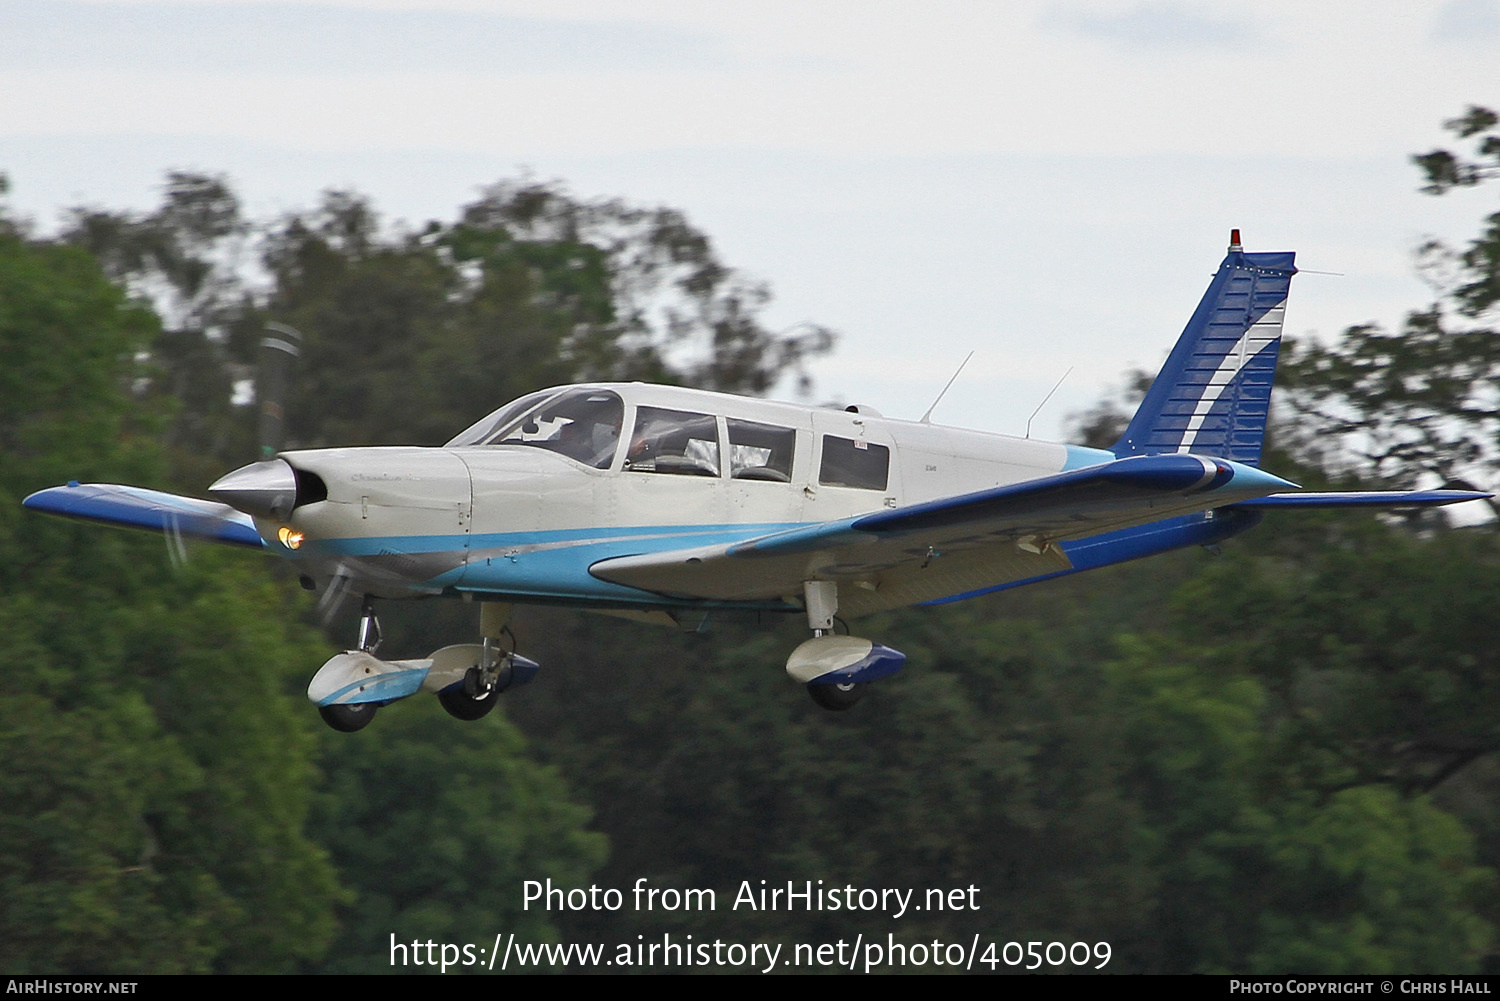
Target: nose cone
x,y
263,489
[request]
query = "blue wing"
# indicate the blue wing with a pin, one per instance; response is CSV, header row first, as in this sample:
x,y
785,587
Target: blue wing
x,y
137,507
928,551
979,541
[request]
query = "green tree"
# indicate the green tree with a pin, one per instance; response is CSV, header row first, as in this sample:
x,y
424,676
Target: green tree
x,y
1273,854
1266,762
159,773
435,826
187,258
1419,402
161,753
412,335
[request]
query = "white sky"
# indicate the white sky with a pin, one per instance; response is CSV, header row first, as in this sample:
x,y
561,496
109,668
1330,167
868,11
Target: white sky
x,y
1048,183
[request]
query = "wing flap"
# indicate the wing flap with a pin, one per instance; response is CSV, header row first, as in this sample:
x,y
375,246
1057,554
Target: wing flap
x,y
151,510
881,573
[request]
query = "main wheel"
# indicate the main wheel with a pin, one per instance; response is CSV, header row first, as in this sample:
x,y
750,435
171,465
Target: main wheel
x,y
350,717
837,698
458,703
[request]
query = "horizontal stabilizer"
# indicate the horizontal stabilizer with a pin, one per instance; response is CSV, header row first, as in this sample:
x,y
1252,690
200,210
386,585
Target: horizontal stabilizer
x,y
1367,498
152,510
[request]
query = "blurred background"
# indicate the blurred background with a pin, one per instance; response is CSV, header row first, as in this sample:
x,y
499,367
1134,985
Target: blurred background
x,y
1273,759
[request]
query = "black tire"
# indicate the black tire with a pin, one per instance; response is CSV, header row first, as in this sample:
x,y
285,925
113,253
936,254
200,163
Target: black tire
x,y
349,718
458,703
837,698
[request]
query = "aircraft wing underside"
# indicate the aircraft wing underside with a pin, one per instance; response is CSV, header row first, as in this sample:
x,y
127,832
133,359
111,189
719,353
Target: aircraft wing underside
x,y
929,551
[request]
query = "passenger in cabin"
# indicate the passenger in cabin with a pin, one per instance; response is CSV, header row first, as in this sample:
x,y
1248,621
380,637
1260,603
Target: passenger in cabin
x,y
674,441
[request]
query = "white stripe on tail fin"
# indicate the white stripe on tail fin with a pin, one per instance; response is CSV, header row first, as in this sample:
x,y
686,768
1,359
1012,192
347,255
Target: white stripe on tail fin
x,y
1213,395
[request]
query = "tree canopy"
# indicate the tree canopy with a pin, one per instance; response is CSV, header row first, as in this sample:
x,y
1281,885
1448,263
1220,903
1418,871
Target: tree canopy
x,y
1420,402
411,333
161,766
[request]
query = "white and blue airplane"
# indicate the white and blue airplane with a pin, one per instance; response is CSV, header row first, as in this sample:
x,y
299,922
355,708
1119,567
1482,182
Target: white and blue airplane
x,y
663,504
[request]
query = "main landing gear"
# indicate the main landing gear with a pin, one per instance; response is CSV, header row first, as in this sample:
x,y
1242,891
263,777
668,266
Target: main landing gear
x,y
837,669
474,696
837,697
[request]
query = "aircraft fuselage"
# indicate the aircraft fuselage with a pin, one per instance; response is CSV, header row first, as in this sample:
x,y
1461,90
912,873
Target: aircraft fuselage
x,y
527,519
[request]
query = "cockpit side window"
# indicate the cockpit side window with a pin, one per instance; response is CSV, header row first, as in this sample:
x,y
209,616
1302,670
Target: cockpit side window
x,y
760,451
848,463
673,441
583,424
481,430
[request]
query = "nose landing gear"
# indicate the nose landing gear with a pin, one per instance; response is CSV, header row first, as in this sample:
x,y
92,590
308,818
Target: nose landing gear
x,y
467,678
351,717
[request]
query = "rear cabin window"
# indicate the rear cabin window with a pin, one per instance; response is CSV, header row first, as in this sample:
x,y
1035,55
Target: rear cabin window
x,y
760,451
673,441
848,463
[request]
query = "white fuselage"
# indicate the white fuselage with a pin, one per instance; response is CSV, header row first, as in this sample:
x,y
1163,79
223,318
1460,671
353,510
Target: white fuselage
x,y
522,518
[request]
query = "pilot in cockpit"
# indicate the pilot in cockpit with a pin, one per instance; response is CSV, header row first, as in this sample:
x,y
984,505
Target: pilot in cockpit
x,y
590,432
591,443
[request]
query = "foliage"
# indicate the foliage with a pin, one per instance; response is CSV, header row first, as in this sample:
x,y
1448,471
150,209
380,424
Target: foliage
x,y
1419,403
410,336
136,837
435,826
1185,786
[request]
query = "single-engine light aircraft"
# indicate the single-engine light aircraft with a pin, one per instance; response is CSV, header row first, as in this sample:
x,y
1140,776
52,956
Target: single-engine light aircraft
x,y
663,504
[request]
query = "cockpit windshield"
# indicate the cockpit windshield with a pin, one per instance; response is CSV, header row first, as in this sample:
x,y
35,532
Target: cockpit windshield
x,y
489,424
583,424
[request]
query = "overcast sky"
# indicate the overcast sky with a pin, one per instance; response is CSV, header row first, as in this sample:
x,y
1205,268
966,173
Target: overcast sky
x,y
1047,183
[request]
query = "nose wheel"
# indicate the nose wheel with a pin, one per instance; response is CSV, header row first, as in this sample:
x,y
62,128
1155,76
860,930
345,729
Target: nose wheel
x,y
348,718
352,717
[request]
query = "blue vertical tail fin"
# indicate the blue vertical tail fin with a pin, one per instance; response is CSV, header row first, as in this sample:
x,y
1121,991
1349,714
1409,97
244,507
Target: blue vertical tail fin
x,y
1213,394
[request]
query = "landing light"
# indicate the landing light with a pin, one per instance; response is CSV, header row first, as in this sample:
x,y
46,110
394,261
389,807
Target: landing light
x,y
289,538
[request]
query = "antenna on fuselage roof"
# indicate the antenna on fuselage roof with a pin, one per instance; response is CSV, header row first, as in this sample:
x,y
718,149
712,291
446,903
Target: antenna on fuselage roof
x,y
927,417
1054,389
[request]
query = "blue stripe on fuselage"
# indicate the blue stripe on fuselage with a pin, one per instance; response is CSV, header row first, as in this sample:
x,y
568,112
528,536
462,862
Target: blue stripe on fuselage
x,y
555,565
539,562
548,564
